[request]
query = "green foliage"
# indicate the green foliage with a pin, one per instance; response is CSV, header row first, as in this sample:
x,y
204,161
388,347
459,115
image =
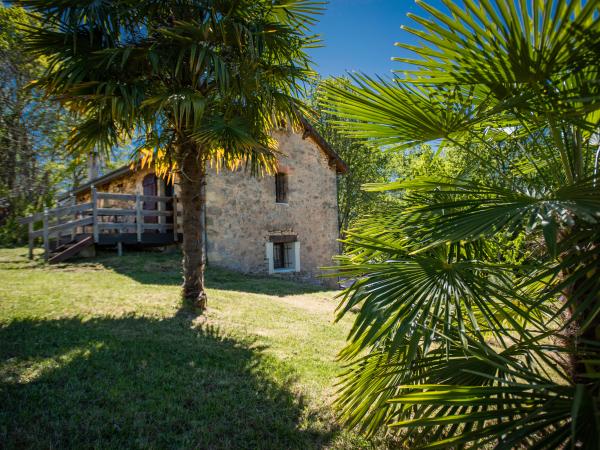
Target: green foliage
x,y
33,162
477,295
365,164
370,164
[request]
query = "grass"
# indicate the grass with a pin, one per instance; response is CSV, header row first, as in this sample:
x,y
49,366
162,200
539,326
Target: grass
x,y
98,354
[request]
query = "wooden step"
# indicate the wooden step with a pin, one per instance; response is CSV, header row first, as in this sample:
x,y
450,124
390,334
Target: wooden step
x,y
63,247
65,243
72,250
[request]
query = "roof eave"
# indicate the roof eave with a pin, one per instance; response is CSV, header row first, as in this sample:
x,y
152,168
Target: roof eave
x,y
309,131
117,173
334,159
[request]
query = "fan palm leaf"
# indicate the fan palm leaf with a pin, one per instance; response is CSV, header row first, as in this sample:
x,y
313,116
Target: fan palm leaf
x,y
453,343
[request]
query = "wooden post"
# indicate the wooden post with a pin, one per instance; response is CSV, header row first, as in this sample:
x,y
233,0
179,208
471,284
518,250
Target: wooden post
x,y
138,217
30,239
95,214
75,217
175,235
46,237
160,205
120,248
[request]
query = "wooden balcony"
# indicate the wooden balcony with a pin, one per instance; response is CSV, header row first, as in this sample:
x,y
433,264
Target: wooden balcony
x,y
98,222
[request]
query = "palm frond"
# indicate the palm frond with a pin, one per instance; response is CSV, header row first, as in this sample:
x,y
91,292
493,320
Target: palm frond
x,y
457,210
499,42
392,114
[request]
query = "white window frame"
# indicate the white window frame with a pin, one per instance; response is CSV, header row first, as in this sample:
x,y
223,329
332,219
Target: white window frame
x,y
270,260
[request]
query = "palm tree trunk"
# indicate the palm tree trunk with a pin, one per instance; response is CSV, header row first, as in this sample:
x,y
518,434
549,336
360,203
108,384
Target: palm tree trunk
x,y
574,333
577,335
192,179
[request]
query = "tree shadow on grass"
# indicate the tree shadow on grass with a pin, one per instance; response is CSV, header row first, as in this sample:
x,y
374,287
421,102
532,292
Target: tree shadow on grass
x,y
152,267
138,382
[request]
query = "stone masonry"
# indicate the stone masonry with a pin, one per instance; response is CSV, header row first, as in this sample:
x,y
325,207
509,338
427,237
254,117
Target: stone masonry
x,y
242,214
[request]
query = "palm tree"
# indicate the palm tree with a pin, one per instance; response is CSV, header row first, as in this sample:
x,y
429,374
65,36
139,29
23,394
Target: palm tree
x,y
193,82
455,342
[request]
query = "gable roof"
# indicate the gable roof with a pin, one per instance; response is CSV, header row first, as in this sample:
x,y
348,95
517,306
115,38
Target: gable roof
x,y
309,132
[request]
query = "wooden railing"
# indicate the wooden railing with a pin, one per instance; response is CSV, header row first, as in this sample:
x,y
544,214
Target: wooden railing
x,y
78,218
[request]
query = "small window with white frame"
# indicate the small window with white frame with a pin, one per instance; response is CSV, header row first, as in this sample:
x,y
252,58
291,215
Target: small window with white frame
x,y
283,254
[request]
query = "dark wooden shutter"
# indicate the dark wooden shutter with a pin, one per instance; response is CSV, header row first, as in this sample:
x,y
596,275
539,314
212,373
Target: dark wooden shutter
x,y
281,188
150,188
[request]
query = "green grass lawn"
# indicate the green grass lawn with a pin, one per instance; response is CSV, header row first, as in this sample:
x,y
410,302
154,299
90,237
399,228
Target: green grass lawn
x,y
97,353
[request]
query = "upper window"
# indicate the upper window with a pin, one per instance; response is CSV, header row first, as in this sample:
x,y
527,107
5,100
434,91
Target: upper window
x,y
281,188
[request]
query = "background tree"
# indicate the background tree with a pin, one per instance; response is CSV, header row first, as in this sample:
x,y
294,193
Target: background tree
x,y
366,164
478,295
369,164
201,81
33,162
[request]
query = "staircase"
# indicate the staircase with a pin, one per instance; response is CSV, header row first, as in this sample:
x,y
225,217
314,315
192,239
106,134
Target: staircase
x,y
70,249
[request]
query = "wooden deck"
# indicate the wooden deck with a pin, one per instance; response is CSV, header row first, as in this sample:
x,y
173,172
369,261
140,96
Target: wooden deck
x,y
109,219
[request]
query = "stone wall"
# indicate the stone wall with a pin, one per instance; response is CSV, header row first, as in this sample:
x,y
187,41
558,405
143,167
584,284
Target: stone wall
x,y
242,214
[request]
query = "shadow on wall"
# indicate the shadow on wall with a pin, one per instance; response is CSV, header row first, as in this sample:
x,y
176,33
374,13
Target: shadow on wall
x,y
153,267
137,383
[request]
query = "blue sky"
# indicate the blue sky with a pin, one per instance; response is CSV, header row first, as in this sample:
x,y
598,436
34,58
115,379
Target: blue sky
x,y
359,35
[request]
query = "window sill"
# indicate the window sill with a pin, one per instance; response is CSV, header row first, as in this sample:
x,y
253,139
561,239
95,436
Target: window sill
x,y
281,203
284,270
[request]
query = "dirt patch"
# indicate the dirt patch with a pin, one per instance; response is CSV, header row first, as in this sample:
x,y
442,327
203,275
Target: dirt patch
x,y
317,304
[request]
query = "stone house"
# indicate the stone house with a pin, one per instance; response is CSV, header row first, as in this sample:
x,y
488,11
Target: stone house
x,y
284,225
